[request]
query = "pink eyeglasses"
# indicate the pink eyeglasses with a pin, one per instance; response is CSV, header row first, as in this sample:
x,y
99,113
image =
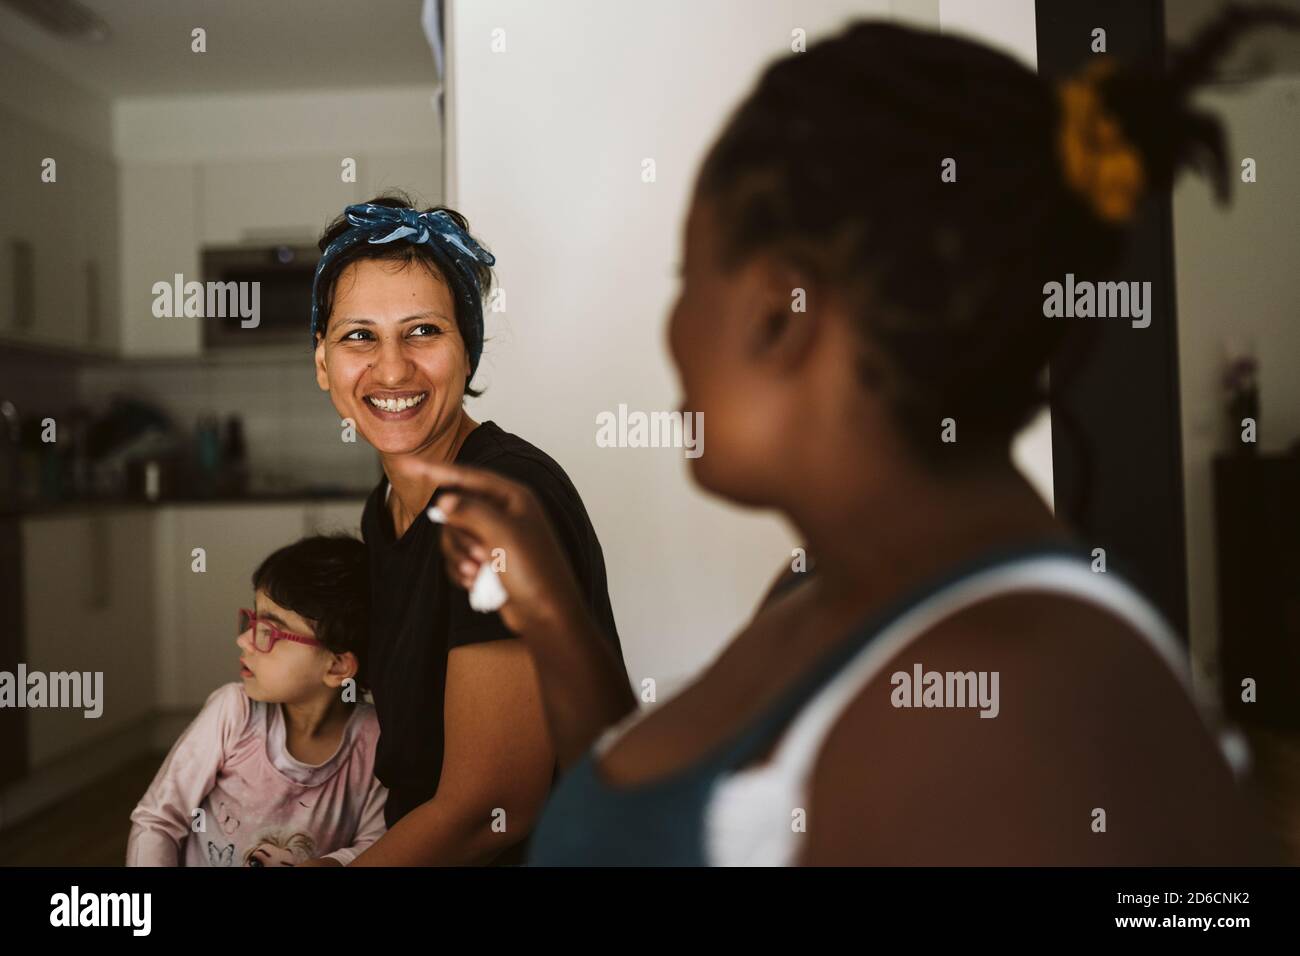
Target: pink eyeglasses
x,y
265,634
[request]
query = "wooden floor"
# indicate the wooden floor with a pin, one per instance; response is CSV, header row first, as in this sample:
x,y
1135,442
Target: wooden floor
x,y
1275,786
90,827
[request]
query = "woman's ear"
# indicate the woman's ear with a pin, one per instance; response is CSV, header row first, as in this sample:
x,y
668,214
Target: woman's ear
x,y
786,319
322,376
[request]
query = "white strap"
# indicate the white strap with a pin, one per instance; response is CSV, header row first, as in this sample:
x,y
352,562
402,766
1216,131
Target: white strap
x,y
611,734
801,744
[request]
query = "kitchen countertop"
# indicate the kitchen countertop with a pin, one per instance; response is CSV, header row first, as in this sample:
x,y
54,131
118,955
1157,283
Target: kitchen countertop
x,y
36,509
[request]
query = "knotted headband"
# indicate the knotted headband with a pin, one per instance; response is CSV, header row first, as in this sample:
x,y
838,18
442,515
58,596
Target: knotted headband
x,y
453,248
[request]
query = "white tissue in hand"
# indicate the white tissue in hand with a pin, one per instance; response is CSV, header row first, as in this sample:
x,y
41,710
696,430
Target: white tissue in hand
x,y
487,594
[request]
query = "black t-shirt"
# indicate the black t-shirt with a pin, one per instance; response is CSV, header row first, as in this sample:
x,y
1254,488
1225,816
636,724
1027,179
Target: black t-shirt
x,y
418,615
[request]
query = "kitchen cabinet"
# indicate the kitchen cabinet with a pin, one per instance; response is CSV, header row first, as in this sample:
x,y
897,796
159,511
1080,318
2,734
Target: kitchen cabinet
x,y
57,251
271,200
88,596
159,238
40,230
292,199
333,517
196,626
60,241
418,172
96,275
115,590
196,622
80,256
19,179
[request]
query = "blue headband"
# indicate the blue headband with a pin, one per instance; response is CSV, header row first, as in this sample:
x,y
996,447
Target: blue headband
x,y
453,248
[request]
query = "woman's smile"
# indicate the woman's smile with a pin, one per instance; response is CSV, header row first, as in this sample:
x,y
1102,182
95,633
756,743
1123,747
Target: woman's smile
x,y
395,406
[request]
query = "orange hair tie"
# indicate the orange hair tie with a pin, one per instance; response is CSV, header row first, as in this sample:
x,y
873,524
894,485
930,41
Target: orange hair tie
x,y
1098,160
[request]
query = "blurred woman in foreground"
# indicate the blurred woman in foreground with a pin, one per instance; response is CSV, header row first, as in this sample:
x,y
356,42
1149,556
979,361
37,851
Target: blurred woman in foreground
x,y
950,682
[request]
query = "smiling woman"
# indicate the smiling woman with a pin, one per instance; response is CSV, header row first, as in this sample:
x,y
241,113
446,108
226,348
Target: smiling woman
x,y
397,324
395,393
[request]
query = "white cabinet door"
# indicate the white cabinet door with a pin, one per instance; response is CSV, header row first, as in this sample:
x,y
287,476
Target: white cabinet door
x,y
42,221
20,172
118,593
293,199
88,594
274,200
159,234
418,173
96,273
197,650
59,240
334,517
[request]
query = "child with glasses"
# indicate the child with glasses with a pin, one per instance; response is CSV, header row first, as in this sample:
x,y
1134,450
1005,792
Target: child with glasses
x,y
278,768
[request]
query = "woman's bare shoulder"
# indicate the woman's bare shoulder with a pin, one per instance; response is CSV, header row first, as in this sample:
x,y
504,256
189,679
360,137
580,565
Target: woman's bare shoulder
x,y
1031,728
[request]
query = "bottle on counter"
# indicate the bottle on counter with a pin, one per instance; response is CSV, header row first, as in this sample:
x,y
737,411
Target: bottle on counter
x,y
234,455
207,452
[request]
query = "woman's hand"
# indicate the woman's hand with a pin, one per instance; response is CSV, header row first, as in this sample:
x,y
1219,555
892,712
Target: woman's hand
x,y
492,520
583,683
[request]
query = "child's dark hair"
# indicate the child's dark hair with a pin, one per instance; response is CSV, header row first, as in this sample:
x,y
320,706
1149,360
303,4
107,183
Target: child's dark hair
x,y
326,579
402,253
833,165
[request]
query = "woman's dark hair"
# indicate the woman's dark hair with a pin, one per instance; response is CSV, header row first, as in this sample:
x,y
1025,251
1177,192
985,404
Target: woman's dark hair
x,y
833,163
403,253
326,579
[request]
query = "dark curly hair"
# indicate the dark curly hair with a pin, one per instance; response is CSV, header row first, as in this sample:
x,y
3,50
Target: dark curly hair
x,y
833,163
326,579
470,326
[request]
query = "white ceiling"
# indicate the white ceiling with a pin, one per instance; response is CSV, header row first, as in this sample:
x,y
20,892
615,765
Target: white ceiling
x,y
1269,50
252,45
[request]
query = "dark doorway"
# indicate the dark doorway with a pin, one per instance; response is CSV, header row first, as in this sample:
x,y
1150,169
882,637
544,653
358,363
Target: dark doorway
x,y
1121,485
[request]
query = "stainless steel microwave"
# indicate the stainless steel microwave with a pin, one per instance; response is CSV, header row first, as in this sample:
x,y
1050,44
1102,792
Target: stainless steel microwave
x,y
283,274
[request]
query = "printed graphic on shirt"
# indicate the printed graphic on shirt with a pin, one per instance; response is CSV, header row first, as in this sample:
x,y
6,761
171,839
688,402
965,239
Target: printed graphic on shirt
x,y
279,847
220,855
227,816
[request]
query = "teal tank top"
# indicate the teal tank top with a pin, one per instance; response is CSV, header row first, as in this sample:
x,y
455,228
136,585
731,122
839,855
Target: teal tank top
x,y
589,822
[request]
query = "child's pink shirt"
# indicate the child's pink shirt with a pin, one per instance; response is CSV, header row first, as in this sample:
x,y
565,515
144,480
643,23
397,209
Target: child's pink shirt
x,y
261,806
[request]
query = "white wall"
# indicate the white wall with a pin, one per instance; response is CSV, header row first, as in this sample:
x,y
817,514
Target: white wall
x,y
1008,25
545,144
1236,278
